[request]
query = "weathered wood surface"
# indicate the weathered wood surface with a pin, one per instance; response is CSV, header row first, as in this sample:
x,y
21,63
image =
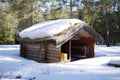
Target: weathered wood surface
x,y
77,36
93,33
90,42
69,34
22,50
83,29
52,58
52,49
85,33
35,52
35,59
53,53
52,61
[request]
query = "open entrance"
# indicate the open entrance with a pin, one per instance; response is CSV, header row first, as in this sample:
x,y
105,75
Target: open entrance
x,y
75,50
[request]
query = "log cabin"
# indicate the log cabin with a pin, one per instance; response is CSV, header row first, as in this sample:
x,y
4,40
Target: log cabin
x,y
72,43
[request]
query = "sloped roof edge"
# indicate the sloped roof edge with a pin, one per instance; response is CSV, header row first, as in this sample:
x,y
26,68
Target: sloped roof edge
x,y
69,34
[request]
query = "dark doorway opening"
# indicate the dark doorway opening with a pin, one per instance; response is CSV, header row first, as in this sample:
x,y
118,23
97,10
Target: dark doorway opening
x,y
75,50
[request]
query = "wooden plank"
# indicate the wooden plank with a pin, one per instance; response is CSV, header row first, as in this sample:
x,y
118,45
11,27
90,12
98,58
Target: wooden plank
x,y
91,50
70,50
34,55
51,45
53,61
22,50
36,59
87,40
53,49
52,52
35,47
34,52
53,55
77,37
53,58
85,33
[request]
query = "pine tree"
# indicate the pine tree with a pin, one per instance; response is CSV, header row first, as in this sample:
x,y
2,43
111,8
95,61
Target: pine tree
x,y
7,26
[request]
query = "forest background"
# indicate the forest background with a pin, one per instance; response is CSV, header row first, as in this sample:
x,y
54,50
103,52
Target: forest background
x,y
102,15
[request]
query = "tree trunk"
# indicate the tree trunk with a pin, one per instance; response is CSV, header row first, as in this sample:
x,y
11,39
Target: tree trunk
x,y
32,14
71,8
107,28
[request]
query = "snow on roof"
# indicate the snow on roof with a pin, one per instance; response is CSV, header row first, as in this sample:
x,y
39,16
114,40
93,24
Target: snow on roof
x,y
48,28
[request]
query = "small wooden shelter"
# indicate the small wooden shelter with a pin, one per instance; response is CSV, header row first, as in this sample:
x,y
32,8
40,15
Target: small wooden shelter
x,y
76,42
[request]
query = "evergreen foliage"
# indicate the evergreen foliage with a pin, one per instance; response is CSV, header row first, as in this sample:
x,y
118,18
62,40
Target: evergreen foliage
x,y
7,26
102,15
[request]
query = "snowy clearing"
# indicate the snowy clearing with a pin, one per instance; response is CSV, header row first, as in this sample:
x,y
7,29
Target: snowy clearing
x,y
14,67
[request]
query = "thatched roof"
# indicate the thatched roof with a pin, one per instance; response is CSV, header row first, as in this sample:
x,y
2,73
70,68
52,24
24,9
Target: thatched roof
x,y
60,38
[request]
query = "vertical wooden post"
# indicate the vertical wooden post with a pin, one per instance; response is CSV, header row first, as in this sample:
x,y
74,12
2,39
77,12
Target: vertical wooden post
x,y
70,50
46,49
91,50
60,54
22,50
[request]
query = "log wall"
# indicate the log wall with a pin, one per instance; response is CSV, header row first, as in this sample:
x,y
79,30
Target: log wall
x,y
22,50
36,52
53,53
50,53
41,52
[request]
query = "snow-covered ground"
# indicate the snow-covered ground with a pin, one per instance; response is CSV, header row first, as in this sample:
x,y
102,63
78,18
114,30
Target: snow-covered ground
x,y
14,67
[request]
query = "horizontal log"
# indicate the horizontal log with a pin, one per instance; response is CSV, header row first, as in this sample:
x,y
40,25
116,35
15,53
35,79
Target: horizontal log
x,y
53,55
33,46
53,61
37,56
51,45
35,52
53,58
52,52
54,49
42,49
32,50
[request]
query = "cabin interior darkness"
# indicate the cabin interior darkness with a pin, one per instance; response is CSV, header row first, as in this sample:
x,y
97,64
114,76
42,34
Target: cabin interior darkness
x,y
75,50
